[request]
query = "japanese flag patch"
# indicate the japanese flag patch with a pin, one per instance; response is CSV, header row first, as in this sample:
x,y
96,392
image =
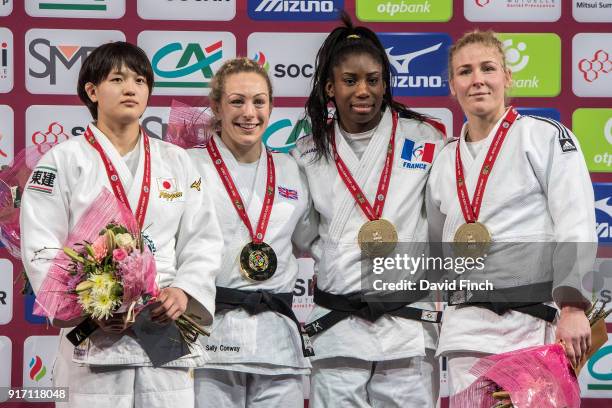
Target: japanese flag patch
x,y
168,189
43,180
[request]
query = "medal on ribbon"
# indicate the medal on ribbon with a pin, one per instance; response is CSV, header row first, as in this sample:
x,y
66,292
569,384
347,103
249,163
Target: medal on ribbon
x,y
257,259
473,239
378,236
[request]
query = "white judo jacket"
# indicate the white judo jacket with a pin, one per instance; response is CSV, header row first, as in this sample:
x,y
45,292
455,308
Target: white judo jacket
x,y
337,254
268,342
182,229
539,191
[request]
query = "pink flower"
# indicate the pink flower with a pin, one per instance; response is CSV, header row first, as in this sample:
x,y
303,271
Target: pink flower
x,y
99,248
119,254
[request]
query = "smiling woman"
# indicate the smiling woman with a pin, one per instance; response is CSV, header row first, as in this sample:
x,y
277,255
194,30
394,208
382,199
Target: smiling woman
x,y
264,209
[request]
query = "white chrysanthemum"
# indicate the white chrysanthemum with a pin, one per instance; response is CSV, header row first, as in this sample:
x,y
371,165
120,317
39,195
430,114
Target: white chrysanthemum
x,y
103,306
85,300
102,283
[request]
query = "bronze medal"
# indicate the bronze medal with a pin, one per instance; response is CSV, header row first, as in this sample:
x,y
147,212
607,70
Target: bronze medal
x,y
257,261
472,240
377,238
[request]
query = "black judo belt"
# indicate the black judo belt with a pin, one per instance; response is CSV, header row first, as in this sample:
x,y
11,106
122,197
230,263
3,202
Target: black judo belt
x,y
501,301
255,302
343,306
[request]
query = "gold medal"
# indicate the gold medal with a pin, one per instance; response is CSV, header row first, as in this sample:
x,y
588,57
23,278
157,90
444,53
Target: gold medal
x,y
377,238
257,261
472,240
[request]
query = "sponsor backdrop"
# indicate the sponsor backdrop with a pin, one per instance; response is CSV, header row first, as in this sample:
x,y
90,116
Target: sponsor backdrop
x,y
559,51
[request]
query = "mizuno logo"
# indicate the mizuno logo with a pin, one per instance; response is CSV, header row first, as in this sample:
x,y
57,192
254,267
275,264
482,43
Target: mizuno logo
x,y
602,205
295,6
401,62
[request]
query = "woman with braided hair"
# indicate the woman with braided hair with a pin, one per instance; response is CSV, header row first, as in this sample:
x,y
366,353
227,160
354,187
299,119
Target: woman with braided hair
x,y
367,167
257,349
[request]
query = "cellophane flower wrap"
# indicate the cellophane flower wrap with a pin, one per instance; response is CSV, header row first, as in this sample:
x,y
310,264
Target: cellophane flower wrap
x,y
102,268
534,377
13,179
189,126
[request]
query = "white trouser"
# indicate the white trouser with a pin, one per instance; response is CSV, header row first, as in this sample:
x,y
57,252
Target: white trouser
x,y
122,386
458,367
353,383
216,388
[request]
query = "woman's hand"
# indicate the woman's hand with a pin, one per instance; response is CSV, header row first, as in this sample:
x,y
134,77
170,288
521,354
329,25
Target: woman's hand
x,y
173,303
574,332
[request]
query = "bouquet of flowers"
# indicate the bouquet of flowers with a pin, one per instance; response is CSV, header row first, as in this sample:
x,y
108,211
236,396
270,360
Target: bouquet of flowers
x,y
104,268
533,377
13,179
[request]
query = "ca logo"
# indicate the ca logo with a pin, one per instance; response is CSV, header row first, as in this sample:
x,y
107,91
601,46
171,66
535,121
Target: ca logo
x,y
514,59
608,130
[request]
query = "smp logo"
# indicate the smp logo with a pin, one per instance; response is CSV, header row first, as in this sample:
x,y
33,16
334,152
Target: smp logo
x,y
295,10
603,211
286,126
155,121
185,62
417,156
54,57
592,64
418,63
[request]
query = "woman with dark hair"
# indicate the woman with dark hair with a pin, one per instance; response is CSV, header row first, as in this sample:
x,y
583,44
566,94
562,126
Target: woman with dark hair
x,y
367,166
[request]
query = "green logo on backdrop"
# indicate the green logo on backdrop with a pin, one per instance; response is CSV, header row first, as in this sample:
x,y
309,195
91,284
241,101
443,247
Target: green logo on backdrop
x,y
535,61
593,128
87,5
404,10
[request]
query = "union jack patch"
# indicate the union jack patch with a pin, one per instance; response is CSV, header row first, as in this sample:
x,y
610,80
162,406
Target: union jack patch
x,y
287,193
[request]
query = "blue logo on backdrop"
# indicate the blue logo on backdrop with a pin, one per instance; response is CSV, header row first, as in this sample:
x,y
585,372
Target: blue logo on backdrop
x,y
418,63
295,10
549,113
603,211
29,307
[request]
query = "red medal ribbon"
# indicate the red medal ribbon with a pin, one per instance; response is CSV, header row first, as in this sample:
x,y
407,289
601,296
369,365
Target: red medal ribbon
x,y
373,213
472,210
115,181
231,189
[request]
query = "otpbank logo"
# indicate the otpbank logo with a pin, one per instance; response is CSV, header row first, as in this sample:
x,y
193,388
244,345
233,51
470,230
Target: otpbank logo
x,y
38,356
535,62
593,128
207,10
54,57
295,10
404,10
603,212
6,60
512,10
592,64
418,62
417,155
184,62
286,126
75,8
